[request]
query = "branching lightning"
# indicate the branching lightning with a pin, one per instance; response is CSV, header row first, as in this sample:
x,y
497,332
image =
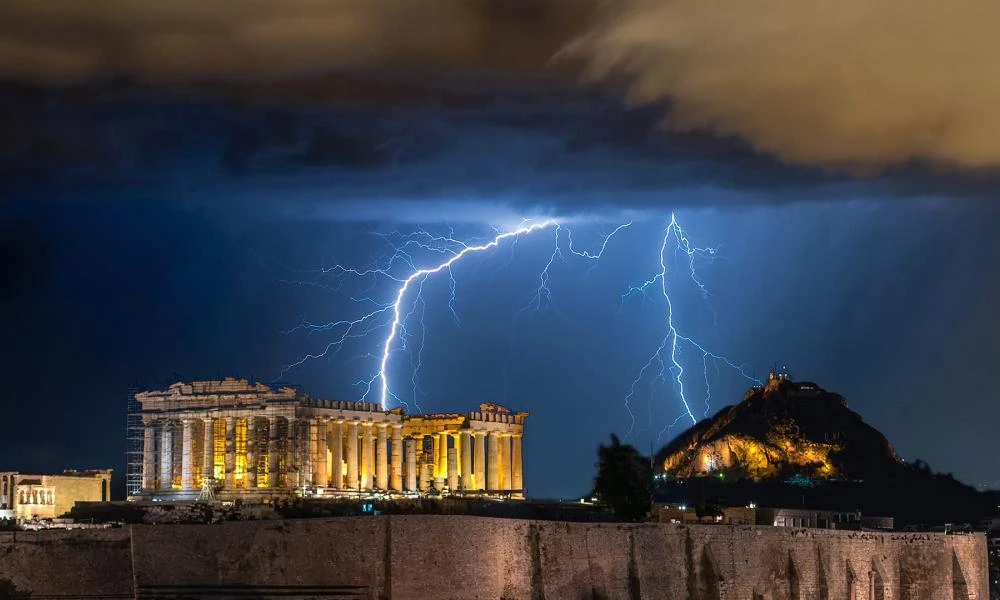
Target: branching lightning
x,y
542,296
421,275
378,383
666,357
604,245
402,319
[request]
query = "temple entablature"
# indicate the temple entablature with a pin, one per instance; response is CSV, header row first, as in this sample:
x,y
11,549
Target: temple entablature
x,y
497,417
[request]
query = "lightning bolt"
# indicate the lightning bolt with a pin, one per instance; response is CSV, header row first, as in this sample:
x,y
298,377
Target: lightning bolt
x,y
604,244
421,275
408,300
668,362
542,296
667,356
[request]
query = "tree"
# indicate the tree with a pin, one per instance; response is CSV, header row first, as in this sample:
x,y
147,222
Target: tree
x,y
10,592
624,480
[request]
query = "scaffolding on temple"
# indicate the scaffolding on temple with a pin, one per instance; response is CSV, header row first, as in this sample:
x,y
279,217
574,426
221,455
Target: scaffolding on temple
x,y
133,445
208,485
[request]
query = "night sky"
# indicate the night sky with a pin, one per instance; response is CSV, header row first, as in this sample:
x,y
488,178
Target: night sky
x,y
179,182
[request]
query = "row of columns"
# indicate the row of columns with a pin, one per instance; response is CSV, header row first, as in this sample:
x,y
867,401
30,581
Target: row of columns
x,y
338,454
335,447
296,453
478,461
34,496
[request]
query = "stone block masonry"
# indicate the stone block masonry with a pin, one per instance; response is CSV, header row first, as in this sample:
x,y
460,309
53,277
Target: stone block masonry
x,y
69,564
461,557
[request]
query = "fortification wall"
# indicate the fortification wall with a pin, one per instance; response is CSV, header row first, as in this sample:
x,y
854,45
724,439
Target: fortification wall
x,y
69,564
331,557
427,556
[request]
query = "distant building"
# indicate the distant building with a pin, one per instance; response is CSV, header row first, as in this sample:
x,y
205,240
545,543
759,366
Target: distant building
x,y
993,534
822,519
232,439
777,517
26,497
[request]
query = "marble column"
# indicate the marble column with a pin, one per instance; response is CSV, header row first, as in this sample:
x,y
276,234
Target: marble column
x,y
187,453
452,469
367,461
443,455
506,470
352,455
148,458
396,456
441,461
306,452
166,455
335,441
372,475
435,455
381,459
317,431
411,465
292,453
251,468
350,430
230,452
517,478
493,469
273,454
209,449
479,468
465,443
501,461
426,476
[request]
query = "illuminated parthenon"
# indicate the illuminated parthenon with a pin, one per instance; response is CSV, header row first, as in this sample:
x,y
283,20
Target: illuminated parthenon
x,y
231,439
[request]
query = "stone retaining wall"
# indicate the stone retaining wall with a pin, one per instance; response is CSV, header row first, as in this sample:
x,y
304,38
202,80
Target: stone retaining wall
x,y
431,556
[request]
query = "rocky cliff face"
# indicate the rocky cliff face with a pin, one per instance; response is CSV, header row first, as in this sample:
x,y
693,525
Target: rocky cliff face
x,y
782,429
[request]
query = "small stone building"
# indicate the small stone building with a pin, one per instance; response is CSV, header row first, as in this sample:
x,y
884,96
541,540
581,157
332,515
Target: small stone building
x,y
26,497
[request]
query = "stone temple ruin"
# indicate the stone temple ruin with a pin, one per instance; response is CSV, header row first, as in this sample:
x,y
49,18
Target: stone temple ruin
x,y
234,439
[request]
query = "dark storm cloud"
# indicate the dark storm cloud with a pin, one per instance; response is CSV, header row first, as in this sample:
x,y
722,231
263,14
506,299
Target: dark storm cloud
x,y
349,103
858,84
531,149
188,40
556,150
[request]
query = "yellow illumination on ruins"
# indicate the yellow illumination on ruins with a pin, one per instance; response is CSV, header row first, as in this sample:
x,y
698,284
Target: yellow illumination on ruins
x,y
176,449
219,449
262,454
252,442
240,451
197,455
